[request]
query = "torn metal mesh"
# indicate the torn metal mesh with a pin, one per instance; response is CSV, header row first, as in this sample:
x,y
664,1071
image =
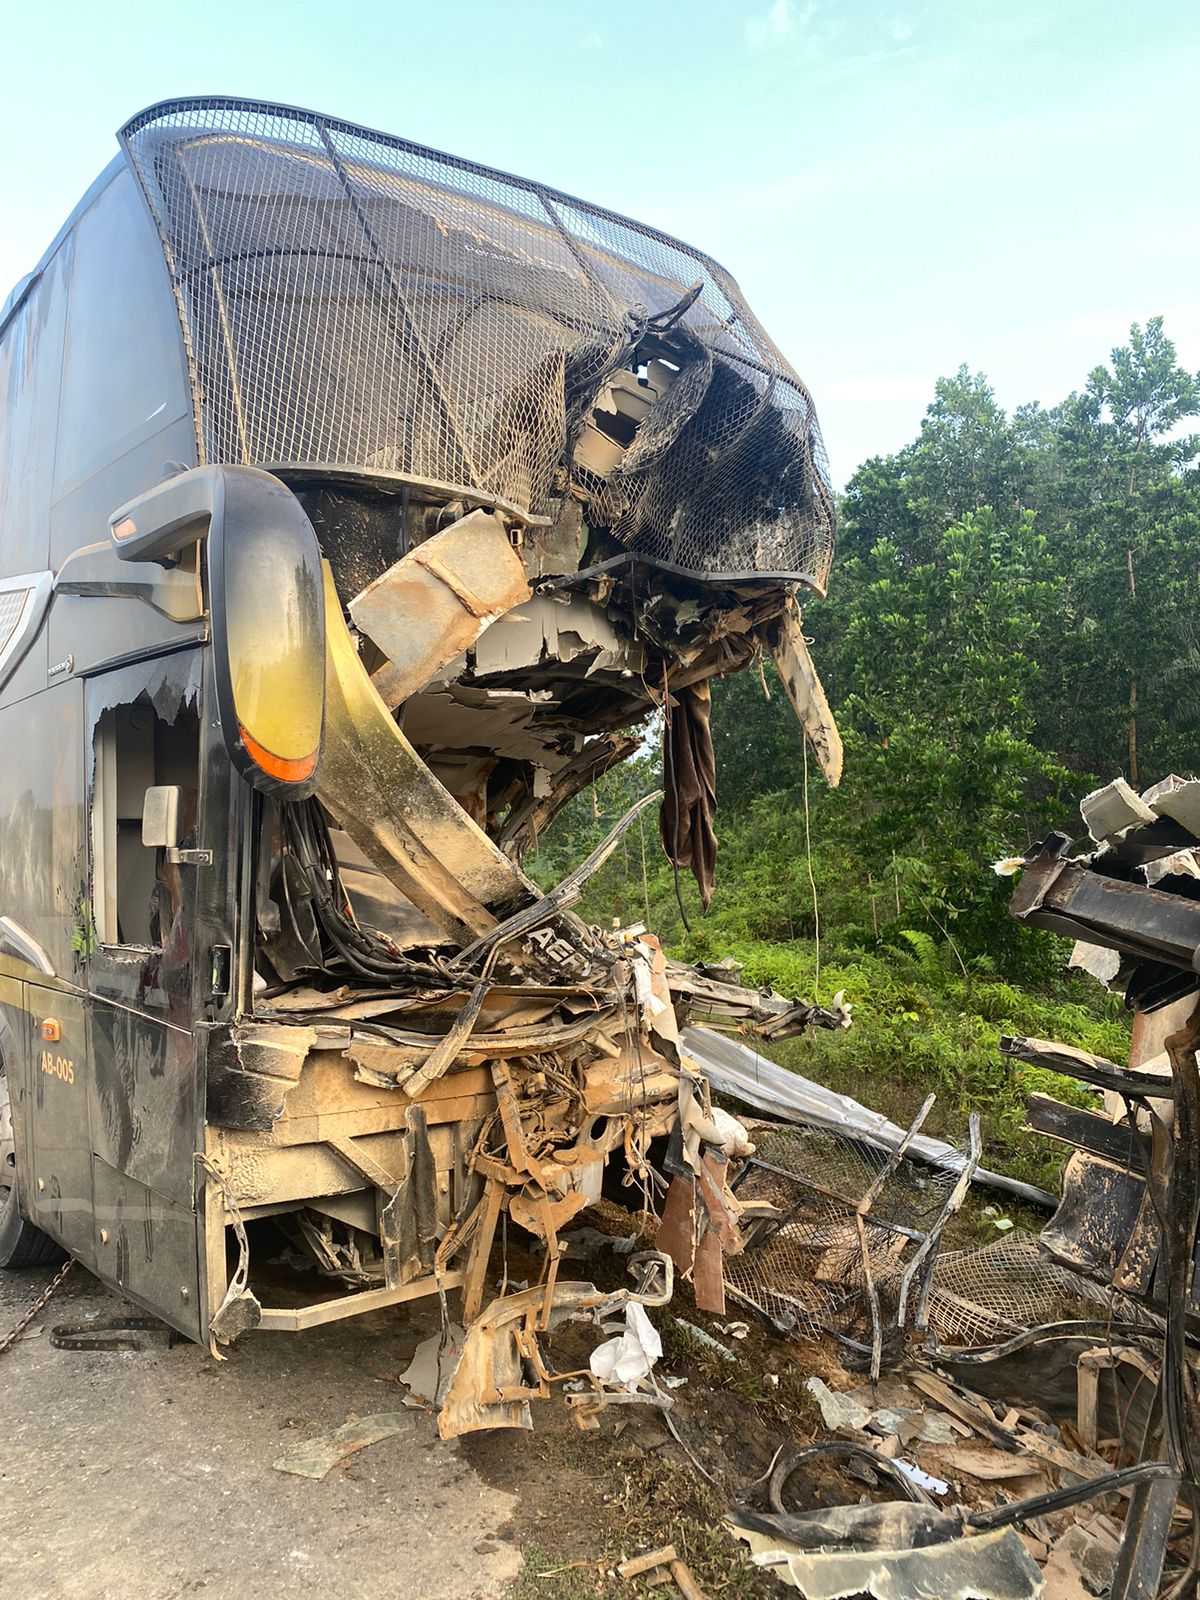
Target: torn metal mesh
x,y
356,301
807,1275
990,1294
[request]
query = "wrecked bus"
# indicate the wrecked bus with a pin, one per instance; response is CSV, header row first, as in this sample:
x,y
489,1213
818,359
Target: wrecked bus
x,y
358,503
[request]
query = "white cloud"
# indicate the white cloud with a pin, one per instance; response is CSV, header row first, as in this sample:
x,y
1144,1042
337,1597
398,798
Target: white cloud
x,y
592,41
777,26
817,37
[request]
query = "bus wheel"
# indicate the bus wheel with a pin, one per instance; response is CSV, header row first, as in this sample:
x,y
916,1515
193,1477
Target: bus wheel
x,y
21,1244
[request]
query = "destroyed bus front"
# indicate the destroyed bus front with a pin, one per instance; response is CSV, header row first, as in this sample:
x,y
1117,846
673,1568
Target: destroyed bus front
x,y
522,473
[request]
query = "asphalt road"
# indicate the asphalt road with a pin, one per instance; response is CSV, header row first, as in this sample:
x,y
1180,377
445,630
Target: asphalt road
x,y
148,1475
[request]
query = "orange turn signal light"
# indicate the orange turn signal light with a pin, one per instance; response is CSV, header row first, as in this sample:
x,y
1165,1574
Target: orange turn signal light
x,y
290,771
51,1030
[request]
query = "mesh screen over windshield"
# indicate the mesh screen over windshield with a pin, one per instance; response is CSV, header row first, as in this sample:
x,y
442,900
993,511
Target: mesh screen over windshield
x,y
357,301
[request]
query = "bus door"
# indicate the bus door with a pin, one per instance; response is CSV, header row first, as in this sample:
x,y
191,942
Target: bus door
x,y
146,1107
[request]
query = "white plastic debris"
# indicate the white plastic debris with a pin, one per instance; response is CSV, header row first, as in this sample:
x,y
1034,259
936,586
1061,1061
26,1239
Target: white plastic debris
x,y
629,1357
734,1139
1181,803
838,1410
704,1338
1112,809
923,1480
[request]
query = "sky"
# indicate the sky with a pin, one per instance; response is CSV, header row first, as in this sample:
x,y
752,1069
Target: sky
x,y
899,186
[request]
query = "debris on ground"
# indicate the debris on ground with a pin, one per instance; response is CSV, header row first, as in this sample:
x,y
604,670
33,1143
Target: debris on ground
x,y
989,1566
314,1458
631,1356
1013,1418
662,1566
838,1410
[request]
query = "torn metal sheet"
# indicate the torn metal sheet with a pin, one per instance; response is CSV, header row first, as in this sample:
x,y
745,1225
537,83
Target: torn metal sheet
x,y
429,1372
437,600
875,1525
989,1566
789,648
386,799
253,1070
737,1070
557,627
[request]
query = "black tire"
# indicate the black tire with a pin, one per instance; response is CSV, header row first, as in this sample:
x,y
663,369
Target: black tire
x,y
21,1244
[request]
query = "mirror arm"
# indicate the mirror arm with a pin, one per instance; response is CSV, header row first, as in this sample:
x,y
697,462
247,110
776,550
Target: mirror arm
x,y
157,525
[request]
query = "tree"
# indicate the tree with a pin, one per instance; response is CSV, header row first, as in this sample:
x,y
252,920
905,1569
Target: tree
x,y
1121,504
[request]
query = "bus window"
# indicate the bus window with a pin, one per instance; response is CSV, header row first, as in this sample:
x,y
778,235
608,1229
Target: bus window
x,y
31,358
136,888
123,370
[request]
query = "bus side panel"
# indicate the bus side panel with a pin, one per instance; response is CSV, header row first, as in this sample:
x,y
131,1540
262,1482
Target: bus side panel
x,y
16,1030
144,1112
43,891
58,1183
148,1248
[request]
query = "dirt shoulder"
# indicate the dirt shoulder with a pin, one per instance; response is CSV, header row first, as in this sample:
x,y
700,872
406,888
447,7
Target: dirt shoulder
x,y
148,1475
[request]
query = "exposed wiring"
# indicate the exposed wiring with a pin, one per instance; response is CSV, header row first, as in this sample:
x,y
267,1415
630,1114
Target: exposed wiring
x,y
669,767
645,879
812,883
367,952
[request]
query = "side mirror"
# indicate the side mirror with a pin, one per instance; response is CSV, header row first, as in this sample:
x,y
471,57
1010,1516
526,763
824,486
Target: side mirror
x,y
162,816
266,599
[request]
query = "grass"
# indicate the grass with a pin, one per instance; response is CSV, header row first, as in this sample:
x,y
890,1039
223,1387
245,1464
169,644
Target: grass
x,y
920,1027
660,1502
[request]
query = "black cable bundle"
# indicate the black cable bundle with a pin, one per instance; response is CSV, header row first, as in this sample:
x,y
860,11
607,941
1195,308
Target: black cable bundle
x,y
366,951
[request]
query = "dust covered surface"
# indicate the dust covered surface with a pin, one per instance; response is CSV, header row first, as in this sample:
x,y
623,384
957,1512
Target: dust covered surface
x,y
584,1501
